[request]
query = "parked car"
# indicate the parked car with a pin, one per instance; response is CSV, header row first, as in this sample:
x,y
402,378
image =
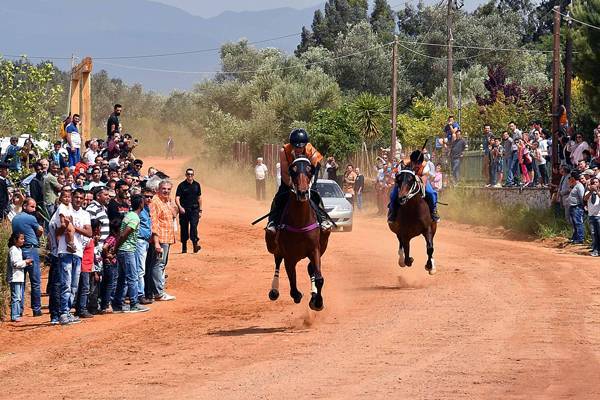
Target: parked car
x,y
336,203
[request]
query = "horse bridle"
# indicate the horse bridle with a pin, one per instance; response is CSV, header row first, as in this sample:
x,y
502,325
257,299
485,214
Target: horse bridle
x,y
293,185
416,188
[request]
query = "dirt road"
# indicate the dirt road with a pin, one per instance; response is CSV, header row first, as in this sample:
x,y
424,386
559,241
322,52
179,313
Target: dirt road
x,y
501,319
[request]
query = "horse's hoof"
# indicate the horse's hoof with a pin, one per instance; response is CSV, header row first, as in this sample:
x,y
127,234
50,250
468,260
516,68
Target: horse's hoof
x,y
432,270
273,294
409,261
316,302
297,296
401,263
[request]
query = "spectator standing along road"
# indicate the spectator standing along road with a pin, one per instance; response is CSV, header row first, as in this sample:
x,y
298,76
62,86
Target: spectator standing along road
x,y
113,125
26,223
73,141
170,147
143,242
162,213
4,185
575,202
359,186
349,181
592,198
260,172
188,199
457,151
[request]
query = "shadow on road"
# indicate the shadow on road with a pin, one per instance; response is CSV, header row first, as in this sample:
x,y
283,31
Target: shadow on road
x,y
253,330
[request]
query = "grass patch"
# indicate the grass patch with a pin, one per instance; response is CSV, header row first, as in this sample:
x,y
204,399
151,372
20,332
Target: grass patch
x,y
469,208
5,232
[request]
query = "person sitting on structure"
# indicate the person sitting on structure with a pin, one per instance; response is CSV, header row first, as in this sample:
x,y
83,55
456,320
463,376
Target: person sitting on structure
x,y
421,169
298,146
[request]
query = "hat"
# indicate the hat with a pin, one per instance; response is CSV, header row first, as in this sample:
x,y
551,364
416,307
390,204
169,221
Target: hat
x,y
588,172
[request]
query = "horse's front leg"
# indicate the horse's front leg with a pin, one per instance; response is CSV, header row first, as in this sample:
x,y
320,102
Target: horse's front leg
x,y
290,269
317,282
408,260
430,266
274,292
400,252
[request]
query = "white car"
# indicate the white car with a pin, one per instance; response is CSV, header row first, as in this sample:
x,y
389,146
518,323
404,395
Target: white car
x,y
336,203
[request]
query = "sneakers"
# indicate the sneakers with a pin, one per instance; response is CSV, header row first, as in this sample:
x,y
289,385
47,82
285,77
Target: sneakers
x,y
165,297
271,228
68,319
54,321
326,225
137,308
120,310
595,254
37,313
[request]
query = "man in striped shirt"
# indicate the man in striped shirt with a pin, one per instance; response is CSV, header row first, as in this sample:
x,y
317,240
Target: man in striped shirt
x,y
97,211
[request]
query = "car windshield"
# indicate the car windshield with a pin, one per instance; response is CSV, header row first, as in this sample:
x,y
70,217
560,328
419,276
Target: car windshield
x,y
329,189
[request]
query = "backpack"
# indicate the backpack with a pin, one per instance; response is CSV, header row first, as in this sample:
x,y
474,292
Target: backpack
x,y
62,130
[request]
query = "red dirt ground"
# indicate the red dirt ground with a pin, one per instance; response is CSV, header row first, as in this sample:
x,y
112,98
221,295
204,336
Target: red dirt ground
x,y
501,319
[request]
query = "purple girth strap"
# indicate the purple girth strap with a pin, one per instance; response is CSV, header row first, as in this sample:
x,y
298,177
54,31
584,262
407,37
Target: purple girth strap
x,y
307,228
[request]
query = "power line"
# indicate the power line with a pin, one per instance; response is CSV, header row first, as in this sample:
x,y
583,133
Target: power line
x,y
568,17
208,50
247,71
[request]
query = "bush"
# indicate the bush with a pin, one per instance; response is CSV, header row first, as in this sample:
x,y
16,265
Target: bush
x,y
466,207
5,232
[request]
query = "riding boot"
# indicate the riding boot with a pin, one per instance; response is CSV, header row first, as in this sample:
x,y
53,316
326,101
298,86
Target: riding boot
x,y
277,206
392,212
432,208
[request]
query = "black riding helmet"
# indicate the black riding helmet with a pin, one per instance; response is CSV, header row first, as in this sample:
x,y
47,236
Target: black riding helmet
x,y
416,156
299,138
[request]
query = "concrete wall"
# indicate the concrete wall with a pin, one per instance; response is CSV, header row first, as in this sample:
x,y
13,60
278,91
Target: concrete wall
x,y
533,197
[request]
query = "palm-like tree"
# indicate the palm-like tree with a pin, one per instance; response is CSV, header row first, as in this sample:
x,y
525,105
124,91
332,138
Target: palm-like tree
x,y
370,112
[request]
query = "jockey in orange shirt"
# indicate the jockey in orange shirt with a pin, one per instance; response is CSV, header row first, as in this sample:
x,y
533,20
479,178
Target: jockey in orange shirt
x,y
298,146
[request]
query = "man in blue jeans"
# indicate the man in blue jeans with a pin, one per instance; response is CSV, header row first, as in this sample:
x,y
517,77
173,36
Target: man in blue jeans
x,y
128,271
575,202
70,262
143,242
26,223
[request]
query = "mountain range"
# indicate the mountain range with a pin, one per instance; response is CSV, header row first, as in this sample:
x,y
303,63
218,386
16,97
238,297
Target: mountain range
x,y
118,28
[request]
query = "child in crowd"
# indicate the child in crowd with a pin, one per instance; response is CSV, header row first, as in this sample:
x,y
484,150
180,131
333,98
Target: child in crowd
x,y
65,213
15,275
110,269
438,179
87,266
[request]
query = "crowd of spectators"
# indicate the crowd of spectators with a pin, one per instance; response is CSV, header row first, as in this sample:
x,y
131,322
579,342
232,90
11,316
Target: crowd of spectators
x,y
108,227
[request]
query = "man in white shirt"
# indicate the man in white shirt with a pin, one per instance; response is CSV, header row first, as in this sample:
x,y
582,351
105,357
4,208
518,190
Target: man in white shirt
x,y
70,263
260,171
91,153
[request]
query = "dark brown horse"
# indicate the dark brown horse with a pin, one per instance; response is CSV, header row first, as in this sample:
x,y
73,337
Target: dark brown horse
x,y
413,218
299,237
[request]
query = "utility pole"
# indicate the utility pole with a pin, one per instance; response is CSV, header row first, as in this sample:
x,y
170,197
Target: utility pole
x,y
449,78
555,92
394,95
568,66
460,98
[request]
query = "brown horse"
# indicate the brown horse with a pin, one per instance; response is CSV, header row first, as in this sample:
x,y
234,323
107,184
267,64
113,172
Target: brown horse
x,y
299,236
413,218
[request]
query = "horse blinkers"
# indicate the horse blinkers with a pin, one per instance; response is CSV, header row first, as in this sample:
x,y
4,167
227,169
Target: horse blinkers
x,y
301,171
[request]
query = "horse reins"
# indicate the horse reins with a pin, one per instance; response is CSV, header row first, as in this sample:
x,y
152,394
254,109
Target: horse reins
x,y
416,188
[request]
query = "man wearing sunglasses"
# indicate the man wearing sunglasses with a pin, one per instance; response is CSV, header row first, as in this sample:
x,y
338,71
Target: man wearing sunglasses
x,y
188,198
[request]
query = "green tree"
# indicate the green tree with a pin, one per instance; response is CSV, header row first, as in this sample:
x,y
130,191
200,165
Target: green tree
x,y
383,21
28,97
370,114
333,132
587,58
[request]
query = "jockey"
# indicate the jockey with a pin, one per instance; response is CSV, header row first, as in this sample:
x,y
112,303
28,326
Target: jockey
x,y
421,169
297,147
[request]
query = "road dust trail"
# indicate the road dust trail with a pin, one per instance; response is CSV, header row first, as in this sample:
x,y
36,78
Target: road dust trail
x,y
501,319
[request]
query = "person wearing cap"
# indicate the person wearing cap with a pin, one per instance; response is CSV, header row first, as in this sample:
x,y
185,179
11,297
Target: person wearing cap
x,y
298,146
576,204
